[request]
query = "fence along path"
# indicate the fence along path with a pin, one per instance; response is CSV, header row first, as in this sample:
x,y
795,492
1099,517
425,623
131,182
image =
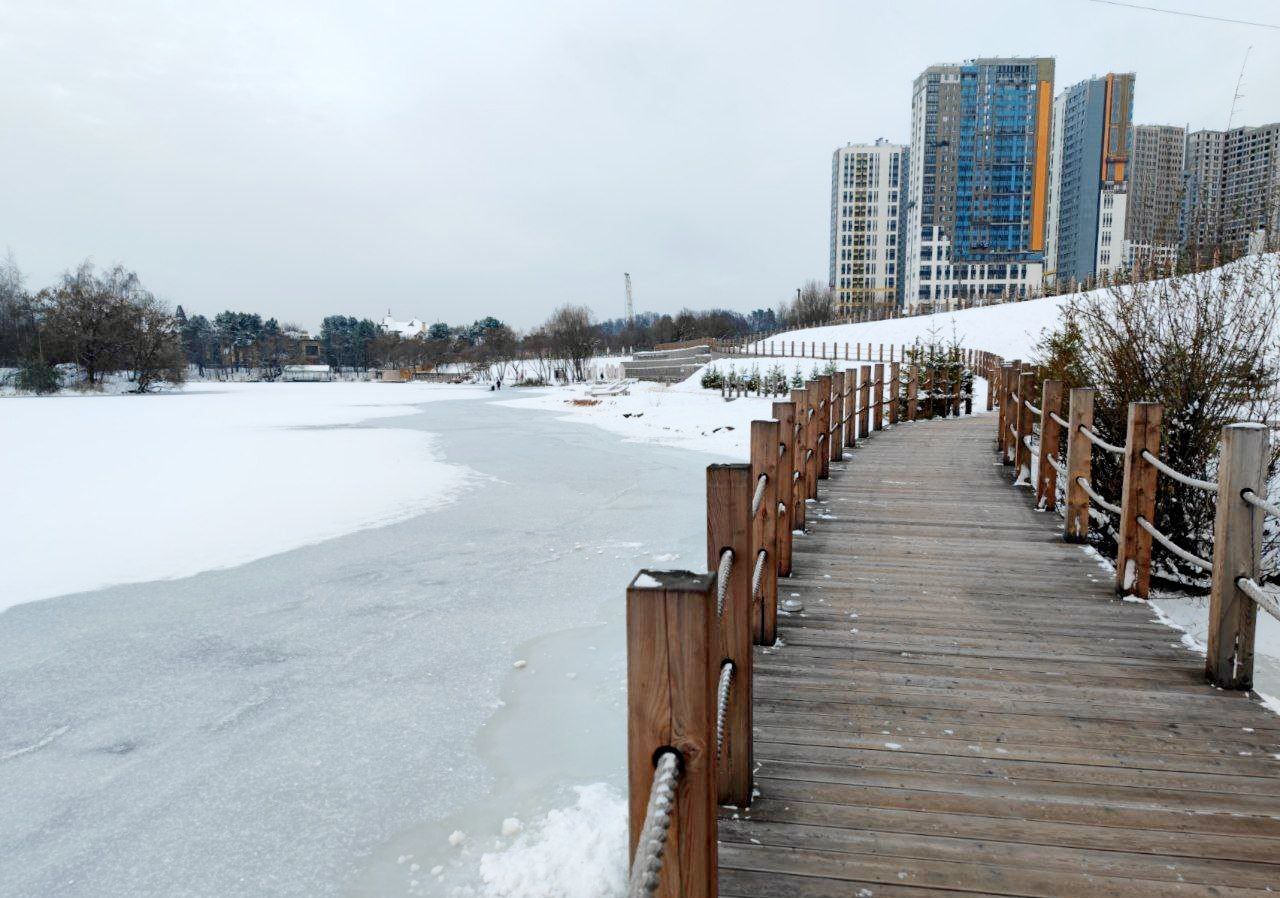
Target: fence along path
x,y
962,705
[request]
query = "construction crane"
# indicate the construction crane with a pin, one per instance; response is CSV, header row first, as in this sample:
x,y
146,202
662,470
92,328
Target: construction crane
x,y
631,306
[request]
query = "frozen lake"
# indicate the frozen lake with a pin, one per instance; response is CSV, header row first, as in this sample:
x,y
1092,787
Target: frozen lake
x,y
319,721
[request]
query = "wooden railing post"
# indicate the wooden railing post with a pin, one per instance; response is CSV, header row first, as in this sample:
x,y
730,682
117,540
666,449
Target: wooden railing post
x,y
895,389
1002,418
864,402
672,673
913,391
851,406
1050,438
1237,553
800,485
764,529
1022,456
879,392
785,413
1079,464
990,376
729,492
812,466
837,416
1137,499
824,426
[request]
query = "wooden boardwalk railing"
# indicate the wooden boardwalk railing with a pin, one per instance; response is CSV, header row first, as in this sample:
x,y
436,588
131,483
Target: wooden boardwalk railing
x,y
955,700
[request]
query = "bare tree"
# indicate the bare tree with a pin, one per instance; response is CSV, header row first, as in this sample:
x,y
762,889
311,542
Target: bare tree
x,y
89,317
154,344
572,338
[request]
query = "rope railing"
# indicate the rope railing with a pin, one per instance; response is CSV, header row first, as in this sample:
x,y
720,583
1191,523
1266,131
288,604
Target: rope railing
x,y
1233,558
1098,500
722,579
646,869
761,482
1154,460
1265,600
1258,502
1098,441
757,576
722,702
1174,547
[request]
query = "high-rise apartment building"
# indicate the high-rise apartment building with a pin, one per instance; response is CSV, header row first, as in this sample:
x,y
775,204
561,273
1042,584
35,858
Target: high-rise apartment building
x,y
867,182
978,181
1155,195
1232,187
1088,190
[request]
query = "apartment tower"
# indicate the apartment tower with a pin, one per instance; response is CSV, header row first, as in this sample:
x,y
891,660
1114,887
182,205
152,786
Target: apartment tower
x,y
866,195
1155,196
978,181
1089,164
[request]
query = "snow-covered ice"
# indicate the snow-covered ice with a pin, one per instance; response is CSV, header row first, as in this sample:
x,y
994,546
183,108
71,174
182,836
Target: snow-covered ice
x,y
101,490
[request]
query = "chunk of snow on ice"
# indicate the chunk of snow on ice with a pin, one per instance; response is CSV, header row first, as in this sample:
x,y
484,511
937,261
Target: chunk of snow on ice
x,y
457,837
437,870
667,556
894,746
511,826
521,664
575,852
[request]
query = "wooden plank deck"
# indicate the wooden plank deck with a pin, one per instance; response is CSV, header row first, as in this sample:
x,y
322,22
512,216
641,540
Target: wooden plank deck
x,y
965,708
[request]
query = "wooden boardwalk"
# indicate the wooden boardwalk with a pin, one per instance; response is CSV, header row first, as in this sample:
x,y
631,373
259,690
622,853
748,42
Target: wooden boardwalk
x,y
964,707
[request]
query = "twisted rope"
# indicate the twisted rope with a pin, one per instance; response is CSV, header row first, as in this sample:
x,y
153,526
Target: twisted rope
x,y
1056,465
1263,599
757,575
1058,420
722,578
646,869
755,500
1154,460
1035,411
722,702
1101,502
1173,547
1100,442
1258,502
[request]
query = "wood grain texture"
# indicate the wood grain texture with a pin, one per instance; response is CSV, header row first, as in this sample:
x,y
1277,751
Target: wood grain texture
x,y
965,708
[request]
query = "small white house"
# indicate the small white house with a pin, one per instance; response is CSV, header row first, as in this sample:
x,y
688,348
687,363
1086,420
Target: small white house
x,y
306,373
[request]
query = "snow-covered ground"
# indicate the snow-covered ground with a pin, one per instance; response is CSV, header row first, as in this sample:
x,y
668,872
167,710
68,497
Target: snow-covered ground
x,y
107,489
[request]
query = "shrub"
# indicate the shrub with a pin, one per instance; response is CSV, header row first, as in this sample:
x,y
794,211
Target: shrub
x,y
712,379
39,377
1206,346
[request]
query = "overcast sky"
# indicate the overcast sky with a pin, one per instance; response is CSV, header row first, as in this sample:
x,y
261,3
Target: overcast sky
x,y
452,160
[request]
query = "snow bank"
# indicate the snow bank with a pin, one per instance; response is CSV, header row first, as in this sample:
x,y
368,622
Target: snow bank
x,y
574,852
683,415
102,490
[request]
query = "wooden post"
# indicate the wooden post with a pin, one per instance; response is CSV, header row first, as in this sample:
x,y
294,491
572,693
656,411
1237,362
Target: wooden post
x,y
837,416
1079,464
729,491
991,394
879,393
824,426
1137,499
1050,439
800,485
816,421
1002,416
864,413
851,407
785,413
882,352
764,529
1022,455
1237,554
672,673
956,388
895,389
811,440
913,391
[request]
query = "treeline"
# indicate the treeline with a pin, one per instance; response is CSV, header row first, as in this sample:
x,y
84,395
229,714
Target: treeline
x,y
105,322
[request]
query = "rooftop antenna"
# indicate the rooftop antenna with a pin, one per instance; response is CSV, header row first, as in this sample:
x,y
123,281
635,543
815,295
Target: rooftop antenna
x,y
631,306
1239,82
